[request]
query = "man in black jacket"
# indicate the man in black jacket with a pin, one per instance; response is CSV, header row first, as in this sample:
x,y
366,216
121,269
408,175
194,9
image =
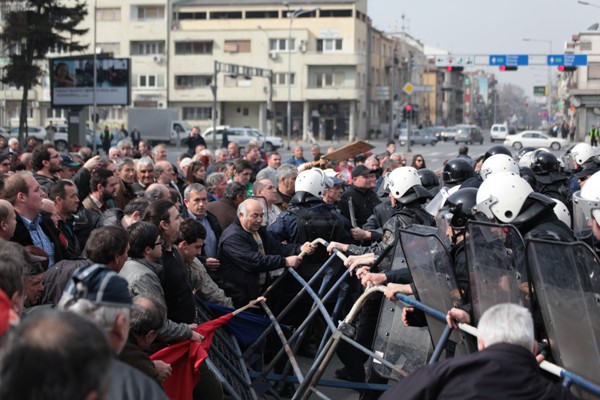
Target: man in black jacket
x,y
248,252
361,194
504,368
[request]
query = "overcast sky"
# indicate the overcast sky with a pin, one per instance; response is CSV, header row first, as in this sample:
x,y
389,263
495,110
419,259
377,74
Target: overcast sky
x,y
489,26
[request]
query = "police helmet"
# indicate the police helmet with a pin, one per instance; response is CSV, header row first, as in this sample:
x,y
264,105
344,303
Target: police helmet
x,y
497,149
582,152
457,171
497,163
544,162
429,180
460,204
313,181
502,196
402,180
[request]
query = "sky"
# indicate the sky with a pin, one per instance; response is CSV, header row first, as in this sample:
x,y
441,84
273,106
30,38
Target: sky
x,y
490,27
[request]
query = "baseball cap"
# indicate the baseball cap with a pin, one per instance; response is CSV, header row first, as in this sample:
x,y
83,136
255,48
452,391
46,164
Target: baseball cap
x,y
361,170
97,284
333,176
67,161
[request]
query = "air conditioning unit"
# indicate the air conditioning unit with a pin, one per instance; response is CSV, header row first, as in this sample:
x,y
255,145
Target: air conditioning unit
x,y
158,58
273,55
161,104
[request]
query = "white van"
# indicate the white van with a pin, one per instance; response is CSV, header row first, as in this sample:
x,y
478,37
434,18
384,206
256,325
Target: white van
x,y
498,132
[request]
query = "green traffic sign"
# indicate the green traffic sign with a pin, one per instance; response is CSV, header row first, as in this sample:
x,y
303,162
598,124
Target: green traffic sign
x,y
539,91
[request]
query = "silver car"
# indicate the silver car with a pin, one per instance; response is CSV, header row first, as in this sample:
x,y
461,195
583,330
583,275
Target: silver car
x,y
424,136
242,136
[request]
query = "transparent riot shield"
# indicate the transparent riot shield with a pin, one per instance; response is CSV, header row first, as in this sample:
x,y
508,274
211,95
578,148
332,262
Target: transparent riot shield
x,y
407,347
435,282
566,278
497,269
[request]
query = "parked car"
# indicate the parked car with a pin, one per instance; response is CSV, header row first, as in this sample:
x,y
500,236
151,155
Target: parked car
x,y
242,136
423,136
32,131
534,139
61,137
468,134
437,131
498,132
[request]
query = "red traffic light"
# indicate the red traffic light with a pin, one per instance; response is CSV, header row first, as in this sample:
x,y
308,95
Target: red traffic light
x,y
508,68
563,68
408,107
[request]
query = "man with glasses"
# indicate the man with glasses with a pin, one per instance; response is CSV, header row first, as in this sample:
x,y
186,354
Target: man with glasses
x,y
361,195
46,164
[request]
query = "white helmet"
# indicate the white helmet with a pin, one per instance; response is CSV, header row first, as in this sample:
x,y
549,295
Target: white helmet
x,y
497,163
313,181
502,195
582,152
586,205
401,180
562,212
525,160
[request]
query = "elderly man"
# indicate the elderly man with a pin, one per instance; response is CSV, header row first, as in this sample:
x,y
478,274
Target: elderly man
x,y
297,158
248,252
215,185
145,176
159,153
270,171
286,185
25,194
265,189
114,153
8,220
504,368
196,200
46,164
69,167
101,296
233,152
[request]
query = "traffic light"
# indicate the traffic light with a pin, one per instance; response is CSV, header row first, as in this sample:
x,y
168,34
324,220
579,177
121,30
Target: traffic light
x,y
508,68
565,68
407,112
526,103
451,68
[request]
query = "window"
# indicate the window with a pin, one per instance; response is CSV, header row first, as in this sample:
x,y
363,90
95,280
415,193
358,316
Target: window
x,y
192,81
149,13
108,14
326,45
281,45
329,79
188,48
147,81
114,48
280,79
197,113
147,48
189,15
262,14
56,113
593,71
226,15
335,13
237,46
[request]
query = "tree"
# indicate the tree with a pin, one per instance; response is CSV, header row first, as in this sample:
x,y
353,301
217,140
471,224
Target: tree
x,y
32,28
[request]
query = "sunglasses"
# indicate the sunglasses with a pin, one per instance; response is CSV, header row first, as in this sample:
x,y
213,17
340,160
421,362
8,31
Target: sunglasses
x,y
159,243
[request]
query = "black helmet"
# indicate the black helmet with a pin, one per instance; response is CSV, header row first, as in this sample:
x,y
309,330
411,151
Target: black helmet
x,y
528,175
460,204
497,149
429,180
543,162
457,171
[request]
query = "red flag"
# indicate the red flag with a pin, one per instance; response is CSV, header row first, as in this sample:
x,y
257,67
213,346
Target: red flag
x,y
185,359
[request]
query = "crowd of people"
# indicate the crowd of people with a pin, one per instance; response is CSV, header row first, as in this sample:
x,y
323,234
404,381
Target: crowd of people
x,y
130,242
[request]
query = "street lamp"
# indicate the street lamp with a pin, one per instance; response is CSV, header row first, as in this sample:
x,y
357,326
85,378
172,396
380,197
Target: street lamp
x,y
292,15
585,3
549,97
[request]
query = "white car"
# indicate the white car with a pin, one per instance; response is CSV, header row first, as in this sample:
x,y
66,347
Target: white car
x,y
242,136
32,131
498,132
534,139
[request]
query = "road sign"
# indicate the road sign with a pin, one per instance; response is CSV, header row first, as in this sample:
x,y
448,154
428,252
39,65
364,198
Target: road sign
x,y
568,60
445,60
539,91
509,60
410,88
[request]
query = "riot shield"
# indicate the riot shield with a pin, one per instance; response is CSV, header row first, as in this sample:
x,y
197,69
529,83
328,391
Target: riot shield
x,y
406,347
566,278
434,279
497,269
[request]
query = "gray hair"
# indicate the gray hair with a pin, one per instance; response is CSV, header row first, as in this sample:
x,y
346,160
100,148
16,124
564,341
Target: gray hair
x,y
220,152
13,140
155,149
123,162
507,323
124,143
144,161
192,187
234,189
102,315
214,179
285,171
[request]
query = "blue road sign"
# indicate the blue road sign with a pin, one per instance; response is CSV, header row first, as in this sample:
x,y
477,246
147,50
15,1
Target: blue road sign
x,y
510,60
568,60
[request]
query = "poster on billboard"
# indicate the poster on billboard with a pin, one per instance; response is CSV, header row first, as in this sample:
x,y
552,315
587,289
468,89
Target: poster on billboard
x,y
72,81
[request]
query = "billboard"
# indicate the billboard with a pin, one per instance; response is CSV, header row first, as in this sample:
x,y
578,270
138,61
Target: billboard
x,y
72,81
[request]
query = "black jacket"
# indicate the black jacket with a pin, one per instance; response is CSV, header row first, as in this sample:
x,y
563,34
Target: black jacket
x,y
364,201
241,263
502,371
23,237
